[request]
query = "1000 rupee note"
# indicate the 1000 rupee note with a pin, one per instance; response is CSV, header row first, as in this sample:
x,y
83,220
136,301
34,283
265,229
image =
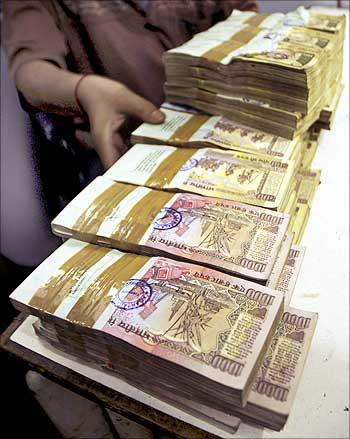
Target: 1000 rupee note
x,y
305,17
302,189
295,36
276,383
92,350
250,179
290,272
185,129
196,315
225,44
314,19
213,325
227,235
306,182
280,260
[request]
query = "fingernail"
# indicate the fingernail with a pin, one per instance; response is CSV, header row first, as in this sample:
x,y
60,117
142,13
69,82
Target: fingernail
x,y
157,116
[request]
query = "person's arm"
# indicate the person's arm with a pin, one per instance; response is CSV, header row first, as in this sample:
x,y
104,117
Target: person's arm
x,y
48,87
36,50
107,103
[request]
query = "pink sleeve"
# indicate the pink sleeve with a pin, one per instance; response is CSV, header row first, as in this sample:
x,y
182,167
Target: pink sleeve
x,y
30,33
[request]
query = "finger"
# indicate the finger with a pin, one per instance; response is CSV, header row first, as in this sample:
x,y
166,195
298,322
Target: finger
x,y
108,155
119,144
103,142
81,123
84,138
134,105
79,120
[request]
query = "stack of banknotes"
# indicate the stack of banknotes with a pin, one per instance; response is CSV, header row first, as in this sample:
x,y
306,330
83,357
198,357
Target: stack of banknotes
x,y
262,70
181,260
236,238
259,180
327,115
225,346
310,146
304,187
250,182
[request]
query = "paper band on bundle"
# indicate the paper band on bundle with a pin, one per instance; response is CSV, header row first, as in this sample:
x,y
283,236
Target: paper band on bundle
x,y
94,301
257,19
169,167
72,293
50,296
186,131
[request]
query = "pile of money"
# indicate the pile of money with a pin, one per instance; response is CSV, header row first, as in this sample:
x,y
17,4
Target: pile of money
x,y
327,115
264,71
87,350
335,25
270,400
304,188
182,128
287,279
182,259
226,235
311,141
275,385
259,180
202,331
219,346
180,330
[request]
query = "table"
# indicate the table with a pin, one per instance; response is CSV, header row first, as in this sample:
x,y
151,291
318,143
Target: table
x,y
321,408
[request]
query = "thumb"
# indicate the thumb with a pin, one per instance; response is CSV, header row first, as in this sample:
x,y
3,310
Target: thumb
x,y
135,105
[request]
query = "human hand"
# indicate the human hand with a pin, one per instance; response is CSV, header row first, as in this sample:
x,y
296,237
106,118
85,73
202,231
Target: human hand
x,y
107,104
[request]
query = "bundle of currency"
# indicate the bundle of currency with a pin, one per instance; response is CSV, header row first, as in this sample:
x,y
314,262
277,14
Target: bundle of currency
x,y
310,145
316,19
233,237
87,350
305,184
301,17
253,179
327,115
280,260
264,72
304,17
326,23
198,330
182,128
274,388
290,272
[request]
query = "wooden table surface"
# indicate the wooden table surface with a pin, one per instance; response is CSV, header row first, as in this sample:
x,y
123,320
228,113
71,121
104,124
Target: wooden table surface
x,y
44,360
